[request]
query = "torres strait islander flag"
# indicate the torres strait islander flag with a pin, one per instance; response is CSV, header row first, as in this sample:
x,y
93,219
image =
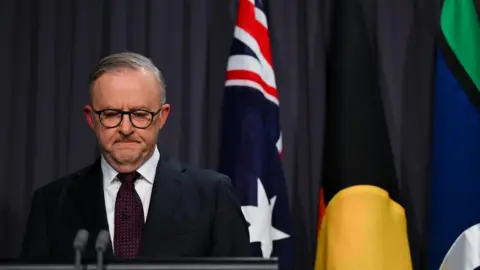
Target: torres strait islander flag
x,y
252,140
454,242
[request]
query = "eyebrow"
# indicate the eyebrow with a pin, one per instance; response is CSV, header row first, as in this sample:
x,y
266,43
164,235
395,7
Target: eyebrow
x,y
136,108
140,108
131,109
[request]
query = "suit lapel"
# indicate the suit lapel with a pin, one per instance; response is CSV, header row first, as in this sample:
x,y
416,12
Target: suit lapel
x,y
166,192
89,206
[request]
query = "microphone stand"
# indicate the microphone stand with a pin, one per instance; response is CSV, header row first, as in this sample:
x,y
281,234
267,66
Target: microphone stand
x,y
78,259
99,260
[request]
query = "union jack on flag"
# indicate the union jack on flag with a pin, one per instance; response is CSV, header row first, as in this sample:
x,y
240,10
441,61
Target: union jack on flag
x,y
252,141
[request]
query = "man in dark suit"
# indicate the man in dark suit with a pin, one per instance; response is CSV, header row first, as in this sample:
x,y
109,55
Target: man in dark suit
x,y
152,206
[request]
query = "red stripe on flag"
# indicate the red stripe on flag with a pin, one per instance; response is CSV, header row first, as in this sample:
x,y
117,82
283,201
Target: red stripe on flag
x,y
321,210
252,76
248,22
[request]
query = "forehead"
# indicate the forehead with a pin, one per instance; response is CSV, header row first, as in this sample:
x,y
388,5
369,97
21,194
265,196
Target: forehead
x,y
124,88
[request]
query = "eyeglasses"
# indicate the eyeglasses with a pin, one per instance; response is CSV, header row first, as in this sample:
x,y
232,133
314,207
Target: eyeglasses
x,y
111,118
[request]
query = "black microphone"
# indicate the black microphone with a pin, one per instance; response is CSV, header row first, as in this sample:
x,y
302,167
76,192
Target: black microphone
x,y
103,239
79,245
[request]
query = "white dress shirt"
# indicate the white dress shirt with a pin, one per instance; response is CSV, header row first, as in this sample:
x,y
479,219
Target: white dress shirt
x,y
143,186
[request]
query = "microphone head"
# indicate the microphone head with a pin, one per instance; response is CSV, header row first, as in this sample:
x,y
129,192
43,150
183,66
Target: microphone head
x,y
80,239
103,239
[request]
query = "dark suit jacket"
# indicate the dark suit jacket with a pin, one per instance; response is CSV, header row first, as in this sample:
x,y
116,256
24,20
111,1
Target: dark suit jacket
x,y
192,213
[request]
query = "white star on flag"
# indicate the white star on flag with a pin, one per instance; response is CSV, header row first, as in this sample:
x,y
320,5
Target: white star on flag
x,y
260,219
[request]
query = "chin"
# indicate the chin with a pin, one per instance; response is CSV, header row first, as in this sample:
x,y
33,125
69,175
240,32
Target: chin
x,y
127,158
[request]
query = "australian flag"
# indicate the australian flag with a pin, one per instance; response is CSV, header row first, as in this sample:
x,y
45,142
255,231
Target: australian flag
x,y
252,140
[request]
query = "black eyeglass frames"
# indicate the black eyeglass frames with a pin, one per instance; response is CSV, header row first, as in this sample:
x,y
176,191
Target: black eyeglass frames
x,y
111,118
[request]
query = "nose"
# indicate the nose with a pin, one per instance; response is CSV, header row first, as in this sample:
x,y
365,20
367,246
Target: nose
x,y
126,127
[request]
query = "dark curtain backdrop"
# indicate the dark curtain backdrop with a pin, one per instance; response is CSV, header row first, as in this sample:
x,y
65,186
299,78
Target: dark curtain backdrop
x,y
49,46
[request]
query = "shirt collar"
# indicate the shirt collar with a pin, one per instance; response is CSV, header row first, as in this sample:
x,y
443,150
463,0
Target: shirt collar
x,y
147,170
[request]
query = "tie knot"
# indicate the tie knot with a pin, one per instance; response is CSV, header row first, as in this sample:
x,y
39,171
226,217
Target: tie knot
x,y
128,177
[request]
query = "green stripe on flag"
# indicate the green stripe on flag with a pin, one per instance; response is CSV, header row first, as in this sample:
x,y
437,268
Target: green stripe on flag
x,y
461,28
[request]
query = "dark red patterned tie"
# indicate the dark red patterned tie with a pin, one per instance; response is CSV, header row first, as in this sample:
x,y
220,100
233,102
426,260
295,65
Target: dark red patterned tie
x,y
129,218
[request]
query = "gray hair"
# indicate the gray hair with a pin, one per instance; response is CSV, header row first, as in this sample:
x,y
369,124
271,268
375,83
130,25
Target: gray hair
x,y
130,60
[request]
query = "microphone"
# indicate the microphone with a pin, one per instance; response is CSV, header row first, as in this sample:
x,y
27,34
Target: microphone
x,y
103,239
79,245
